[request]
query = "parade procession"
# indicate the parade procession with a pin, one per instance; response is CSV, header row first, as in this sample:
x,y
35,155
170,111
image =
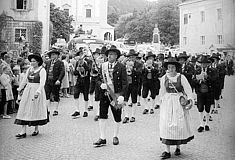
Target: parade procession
x,y
117,80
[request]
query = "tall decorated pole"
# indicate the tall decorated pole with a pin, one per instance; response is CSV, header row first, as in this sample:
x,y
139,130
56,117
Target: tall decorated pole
x,y
156,39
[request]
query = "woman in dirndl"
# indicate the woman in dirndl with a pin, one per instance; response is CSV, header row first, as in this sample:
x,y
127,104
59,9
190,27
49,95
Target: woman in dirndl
x,y
32,109
174,118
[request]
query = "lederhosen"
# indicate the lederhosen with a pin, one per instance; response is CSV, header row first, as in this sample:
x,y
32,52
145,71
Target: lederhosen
x,y
94,87
105,99
83,81
204,90
52,90
133,84
150,83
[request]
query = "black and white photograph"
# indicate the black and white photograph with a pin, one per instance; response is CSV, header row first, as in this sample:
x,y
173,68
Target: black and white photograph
x,y
117,79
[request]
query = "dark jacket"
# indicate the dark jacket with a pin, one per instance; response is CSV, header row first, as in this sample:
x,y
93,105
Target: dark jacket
x,y
58,70
119,79
136,73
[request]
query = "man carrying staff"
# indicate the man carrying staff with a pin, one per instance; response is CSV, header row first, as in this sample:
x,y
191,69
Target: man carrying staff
x,y
55,73
114,81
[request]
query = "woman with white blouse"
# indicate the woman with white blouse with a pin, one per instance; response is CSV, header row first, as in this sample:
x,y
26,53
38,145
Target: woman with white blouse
x,y
32,109
174,118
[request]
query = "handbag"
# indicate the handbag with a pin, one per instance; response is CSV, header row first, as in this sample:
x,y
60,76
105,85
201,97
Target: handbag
x,y
183,99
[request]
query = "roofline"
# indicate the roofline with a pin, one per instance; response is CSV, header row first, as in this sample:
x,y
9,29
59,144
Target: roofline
x,y
190,2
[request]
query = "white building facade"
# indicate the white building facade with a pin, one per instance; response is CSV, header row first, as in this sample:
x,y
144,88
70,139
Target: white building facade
x,y
22,17
90,14
207,25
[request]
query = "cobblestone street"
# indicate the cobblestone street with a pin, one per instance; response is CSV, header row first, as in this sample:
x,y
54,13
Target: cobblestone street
x,y
67,138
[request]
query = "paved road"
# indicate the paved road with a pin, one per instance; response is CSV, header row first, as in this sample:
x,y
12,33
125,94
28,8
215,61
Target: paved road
x,y
67,138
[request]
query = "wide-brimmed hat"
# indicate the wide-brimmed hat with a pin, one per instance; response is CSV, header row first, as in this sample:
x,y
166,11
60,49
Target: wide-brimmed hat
x,y
103,50
53,51
150,54
160,56
171,60
203,59
214,55
97,51
193,59
132,53
37,57
113,49
183,55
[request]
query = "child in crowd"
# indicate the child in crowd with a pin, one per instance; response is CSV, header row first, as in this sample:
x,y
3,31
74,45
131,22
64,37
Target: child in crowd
x,y
5,81
15,85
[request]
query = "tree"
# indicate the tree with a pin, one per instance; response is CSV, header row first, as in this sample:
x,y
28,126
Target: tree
x,y
62,23
113,19
167,18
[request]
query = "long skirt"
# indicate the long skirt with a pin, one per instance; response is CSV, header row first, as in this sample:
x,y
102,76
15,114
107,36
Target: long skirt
x,y
32,111
174,121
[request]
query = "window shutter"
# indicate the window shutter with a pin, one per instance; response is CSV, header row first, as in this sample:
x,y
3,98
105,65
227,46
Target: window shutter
x,y
30,4
13,4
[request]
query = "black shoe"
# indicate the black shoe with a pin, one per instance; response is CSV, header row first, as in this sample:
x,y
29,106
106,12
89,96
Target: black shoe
x,y
207,128
151,111
216,112
138,104
132,119
126,120
100,142
145,111
85,114
200,129
165,155
76,114
96,118
195,102
90,108
115,141
130,105
55,113
157,107
204,118
177,152
35,133
210,118
212,111
218,106
19,136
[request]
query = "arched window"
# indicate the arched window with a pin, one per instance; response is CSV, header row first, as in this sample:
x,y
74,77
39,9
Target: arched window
x,y
108,36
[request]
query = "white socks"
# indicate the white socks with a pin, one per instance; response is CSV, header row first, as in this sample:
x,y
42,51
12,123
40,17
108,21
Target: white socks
x,y
76,101
207,118
133,109
201,119
91,99
102,126
116,129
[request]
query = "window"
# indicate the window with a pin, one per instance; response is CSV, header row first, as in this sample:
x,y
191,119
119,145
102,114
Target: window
x,y
88,13
202,40
185,18
202,16
184,40
66,11
219,13
19,33
21,4
220,39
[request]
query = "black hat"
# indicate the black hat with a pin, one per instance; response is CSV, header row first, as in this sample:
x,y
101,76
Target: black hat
x,y
171,60
103,50
193,59
150,54
203,59
160,56
183,55
37,57
113,49
53,51
97,51
214,55
132,53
